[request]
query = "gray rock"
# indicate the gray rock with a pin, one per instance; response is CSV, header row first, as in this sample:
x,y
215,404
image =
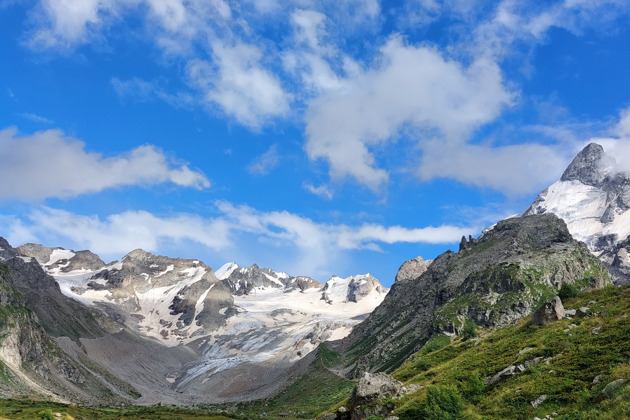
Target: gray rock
x,y
569,312
329,416
412,269
582,312
551,310
598,378
506,373
610,389
589,166
539,400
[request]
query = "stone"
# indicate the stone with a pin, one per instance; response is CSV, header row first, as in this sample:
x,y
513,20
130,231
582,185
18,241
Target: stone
x,y
539,400
569,312
582,312
610,389
550,311
412,269
342,409
506,373
598,378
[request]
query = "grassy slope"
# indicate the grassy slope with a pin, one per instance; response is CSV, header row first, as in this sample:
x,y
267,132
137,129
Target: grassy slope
x,y
598,344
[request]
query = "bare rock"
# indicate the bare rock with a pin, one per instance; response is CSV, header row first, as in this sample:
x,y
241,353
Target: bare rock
x,y
552,310
610,389
412,269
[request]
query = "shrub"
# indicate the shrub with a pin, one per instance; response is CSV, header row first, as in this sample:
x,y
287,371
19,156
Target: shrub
x,y
46,414
567,291
469,331
443,402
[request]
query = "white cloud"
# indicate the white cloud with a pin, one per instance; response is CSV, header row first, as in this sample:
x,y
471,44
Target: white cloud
x,y
322,190
300,244
36,118
410,85
515,169
123,232
240,85
618,144
265,163
50,164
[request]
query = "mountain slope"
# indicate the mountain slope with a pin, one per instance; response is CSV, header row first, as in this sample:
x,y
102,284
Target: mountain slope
x,y
593,198
576,368
493,281
232,336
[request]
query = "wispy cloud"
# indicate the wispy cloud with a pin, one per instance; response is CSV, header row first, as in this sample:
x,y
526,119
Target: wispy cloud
x,y
265,163
314,246
49,164
36,118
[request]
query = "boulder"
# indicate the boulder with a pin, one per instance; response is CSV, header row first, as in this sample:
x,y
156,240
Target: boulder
x,y
610,389
550,311
371,388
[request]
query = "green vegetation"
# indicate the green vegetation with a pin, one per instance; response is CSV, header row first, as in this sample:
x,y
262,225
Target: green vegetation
x,y
572,353
24,408
568,291
309,396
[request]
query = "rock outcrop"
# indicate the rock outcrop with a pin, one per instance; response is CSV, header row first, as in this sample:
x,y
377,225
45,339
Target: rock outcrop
x,y
498,280
412,269
593,198
552,310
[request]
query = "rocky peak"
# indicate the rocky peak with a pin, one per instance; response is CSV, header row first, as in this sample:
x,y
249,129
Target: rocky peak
x,y
499,279
591,166
351,289
412,269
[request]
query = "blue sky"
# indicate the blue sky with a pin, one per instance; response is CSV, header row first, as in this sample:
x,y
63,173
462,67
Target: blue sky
x,y
313,137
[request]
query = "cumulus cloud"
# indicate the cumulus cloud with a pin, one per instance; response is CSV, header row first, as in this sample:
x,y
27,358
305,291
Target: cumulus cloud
x,y
314,247
411,85
50,164
238,82
265,163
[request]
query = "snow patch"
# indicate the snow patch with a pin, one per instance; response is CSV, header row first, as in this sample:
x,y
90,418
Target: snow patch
x,y
59,254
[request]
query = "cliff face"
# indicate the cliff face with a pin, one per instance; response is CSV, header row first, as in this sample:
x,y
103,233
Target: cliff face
x,y
33,363
492,281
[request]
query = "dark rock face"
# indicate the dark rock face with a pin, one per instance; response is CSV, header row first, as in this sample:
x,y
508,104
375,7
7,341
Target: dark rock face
x,y
500,279
552,310
588,167
57,313
27,348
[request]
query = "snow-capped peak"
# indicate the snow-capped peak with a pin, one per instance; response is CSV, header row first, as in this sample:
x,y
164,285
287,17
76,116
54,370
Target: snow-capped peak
x,y
225,270
593,198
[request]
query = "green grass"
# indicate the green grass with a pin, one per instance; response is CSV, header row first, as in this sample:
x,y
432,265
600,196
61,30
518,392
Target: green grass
x,y
576,357
308,397
23,408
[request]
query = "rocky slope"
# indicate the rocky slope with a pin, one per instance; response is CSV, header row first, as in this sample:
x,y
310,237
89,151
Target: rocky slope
x,y
593,198
233,334
493,281
32,361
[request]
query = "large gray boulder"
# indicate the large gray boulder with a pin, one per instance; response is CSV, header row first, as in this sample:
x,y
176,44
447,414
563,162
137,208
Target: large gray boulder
x,y
371,388
552,310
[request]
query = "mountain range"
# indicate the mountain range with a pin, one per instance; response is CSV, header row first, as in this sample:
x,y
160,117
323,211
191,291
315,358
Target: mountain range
x,y
151,329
